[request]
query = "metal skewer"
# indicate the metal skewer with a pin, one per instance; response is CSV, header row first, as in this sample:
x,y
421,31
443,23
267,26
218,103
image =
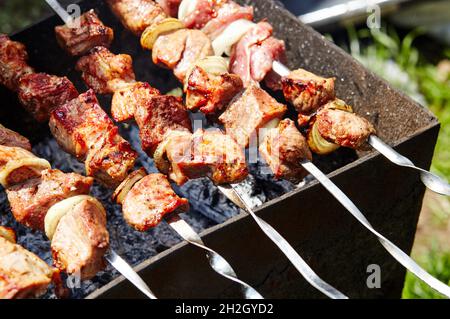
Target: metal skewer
x,y
128,272
432,181
299,263
428,179
217,262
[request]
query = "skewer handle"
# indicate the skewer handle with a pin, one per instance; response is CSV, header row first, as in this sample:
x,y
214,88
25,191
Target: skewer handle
x,y
217,262
284,246
128,272
396,252
432,181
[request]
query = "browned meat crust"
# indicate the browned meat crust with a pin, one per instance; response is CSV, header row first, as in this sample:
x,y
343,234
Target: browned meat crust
x,y
41,93
31,199
283,148
307,91
13,62
150,200
105,72
89,33
13,139
249,112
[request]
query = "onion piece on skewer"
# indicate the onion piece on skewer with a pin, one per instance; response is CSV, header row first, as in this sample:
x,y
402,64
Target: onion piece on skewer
x,y
34,163
124,188
186,8
230,36
152,33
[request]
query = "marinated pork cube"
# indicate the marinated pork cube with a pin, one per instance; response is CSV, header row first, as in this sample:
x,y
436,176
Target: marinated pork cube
x,y
86,33
158,115
150,200
306,91
13,139
284,148
343,128
180,49
170,7
22,273
128,98
252,57
41,93
31,199
137,15
13,62
81,240
211,93
209,154
105,72
250,112
84,130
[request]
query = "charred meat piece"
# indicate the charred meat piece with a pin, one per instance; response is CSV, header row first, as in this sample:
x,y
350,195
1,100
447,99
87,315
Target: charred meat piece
x,y
250,112
158,115
150,200
128,98
81,240
211,93
209,154
225,14
180,49
13,62
13,139
8,233
137,15
105,72
343,128
307,91
22,273
41,93
252,57
31,199
87,32
84,130
170,7
284,148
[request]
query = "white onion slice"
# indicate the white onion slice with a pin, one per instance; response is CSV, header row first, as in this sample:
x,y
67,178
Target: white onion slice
x,y
186,8
230,36
35,163
124,188
59,210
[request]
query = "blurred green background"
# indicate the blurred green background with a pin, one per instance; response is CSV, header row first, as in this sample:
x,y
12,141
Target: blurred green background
x,y
403,64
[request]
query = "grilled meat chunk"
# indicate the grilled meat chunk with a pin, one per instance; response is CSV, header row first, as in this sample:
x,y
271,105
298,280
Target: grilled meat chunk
x,y
87,32
150,200
170,7
31,199
22,273
180,49
105,72
283,148
84,130
225,13
158,115
41,93
13,139
250,112
203,154
81,240
137,15
8,233
13,62
211,93
343,128
128,98
252,57
307,91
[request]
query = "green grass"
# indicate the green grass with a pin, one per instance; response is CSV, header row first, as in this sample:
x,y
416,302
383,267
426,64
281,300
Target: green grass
x,y
17,14
400,62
